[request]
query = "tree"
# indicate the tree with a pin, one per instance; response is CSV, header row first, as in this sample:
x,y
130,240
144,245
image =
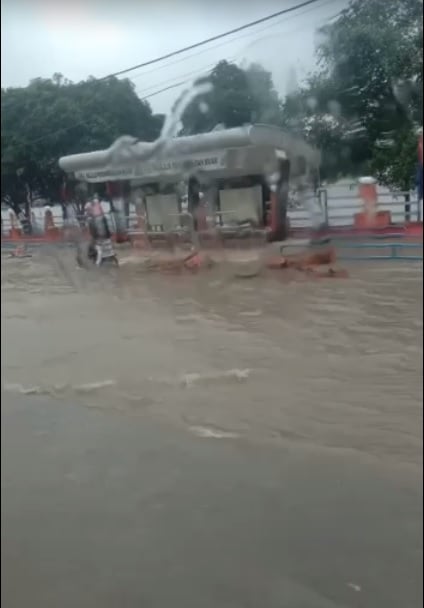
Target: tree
x,y
267,104
53,117
232,102
395,161
314,113
370,82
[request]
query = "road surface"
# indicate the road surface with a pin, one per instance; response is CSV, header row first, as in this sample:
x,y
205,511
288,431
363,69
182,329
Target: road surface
x,y
210,443
100,509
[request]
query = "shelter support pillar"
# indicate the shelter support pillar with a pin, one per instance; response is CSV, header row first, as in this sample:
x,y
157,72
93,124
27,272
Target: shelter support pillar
x,y
279,203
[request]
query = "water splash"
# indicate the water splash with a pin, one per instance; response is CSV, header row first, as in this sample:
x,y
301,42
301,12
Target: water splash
x,y
127,149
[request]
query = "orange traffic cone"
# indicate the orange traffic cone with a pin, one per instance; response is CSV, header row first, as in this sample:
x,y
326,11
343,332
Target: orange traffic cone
x,y
15,231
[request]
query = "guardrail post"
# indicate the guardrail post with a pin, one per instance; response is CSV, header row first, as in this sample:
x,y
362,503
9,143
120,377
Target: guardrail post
x,y
407,207
323,201
394,251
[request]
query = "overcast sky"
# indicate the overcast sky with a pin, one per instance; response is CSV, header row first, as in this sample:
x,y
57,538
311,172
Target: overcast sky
x,y
78,39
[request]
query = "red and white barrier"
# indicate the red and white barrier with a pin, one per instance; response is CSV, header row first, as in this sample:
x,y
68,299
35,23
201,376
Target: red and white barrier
x,y
370,217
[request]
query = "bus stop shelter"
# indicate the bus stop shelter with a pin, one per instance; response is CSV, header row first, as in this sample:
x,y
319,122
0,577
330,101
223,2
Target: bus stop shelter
x,y
231,166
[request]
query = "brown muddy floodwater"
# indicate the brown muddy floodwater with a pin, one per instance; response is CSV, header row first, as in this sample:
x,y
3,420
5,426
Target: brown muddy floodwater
x,y
327,363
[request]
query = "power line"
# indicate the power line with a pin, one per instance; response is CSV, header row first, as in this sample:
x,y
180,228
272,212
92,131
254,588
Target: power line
x,y
168,88
202,71
205,69
196,45
187,78
226,42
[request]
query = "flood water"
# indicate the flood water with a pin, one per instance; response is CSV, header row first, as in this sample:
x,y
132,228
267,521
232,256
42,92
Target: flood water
x,y
333,364
208,441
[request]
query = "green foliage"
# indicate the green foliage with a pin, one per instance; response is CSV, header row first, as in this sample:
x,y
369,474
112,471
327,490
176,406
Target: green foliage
x,y
362,107
395,163
370,83
267,104
228,103
53,117
238,97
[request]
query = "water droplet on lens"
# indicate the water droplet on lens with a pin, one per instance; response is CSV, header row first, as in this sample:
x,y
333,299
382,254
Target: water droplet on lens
x,y
203,107
311,103
334,108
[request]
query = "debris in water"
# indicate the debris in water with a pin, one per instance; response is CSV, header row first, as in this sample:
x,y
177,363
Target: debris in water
x,y
251,313
18,388
94,386
20,252
355,587
208,433
34,390
189,380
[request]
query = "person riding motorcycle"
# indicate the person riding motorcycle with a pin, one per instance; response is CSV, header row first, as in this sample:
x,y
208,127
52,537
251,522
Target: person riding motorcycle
x,y
100,248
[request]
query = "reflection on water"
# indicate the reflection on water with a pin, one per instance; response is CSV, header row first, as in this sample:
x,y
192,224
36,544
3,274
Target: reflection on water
x,y
324,363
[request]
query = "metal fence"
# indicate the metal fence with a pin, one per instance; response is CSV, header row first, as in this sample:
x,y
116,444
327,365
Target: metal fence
x,y
340,210
337,210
